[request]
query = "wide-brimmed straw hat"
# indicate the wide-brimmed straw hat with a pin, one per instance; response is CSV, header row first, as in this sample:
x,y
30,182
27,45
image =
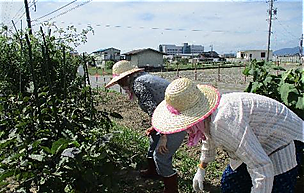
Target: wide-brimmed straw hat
x,y
185,105
122,69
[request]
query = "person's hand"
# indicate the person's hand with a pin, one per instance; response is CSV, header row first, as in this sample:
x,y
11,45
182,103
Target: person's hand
x,y
198,180
162,145
149,131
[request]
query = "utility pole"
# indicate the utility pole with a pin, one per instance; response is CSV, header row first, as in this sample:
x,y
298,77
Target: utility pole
x,y
211,51
271,13
28,16
301,49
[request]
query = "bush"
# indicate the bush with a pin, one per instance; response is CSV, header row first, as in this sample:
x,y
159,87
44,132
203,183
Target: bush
x,y
285,86
52,138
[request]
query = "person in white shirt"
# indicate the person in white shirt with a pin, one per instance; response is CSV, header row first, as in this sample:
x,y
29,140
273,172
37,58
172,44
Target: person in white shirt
x,y
263,138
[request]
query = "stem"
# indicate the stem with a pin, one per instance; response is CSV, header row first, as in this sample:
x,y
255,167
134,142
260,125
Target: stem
x,y
34,80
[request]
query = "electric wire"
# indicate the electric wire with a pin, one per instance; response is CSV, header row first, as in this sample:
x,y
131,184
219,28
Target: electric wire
x,y
65,12
285,29
54,11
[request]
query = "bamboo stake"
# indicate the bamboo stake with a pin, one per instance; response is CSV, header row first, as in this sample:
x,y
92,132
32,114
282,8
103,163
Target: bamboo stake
x,y
21,54
90,90
47,62
34,80
64,71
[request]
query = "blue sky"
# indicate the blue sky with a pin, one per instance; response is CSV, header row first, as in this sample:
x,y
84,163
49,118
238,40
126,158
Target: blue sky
x,y
228,25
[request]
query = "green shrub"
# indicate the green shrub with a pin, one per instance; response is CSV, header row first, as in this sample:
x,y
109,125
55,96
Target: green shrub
x,y
286,86
52,139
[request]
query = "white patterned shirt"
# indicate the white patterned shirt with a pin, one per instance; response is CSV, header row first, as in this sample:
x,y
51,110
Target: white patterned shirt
x,y
258,131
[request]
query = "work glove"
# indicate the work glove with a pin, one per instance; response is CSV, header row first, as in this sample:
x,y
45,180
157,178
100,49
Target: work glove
x,y
162,145
198,180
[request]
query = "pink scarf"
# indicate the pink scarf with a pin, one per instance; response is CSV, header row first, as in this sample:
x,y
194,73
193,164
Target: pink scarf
x,y
196,133
128,92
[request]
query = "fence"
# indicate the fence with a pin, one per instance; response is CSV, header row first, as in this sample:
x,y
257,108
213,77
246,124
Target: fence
x,y
226,79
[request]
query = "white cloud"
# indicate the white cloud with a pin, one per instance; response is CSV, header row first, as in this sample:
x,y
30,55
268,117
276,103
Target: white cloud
x,y
229,25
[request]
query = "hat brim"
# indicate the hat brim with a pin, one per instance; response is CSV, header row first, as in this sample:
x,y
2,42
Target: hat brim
x,y
123,75
166,122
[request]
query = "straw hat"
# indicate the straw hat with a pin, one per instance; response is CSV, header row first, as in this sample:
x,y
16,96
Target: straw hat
x,y
120,70
185,104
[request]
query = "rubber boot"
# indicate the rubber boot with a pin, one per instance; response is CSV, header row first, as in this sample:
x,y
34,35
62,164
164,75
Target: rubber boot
x,y
151,171
171,184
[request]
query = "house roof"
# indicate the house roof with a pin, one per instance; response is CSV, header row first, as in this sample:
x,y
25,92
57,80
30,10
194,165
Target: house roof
x,y
133,52
103,50
210,54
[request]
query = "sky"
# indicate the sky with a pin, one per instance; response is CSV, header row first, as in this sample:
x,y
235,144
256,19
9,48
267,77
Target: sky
x,y
228,25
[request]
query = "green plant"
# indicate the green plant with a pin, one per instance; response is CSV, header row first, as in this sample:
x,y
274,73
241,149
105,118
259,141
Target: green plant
x,y
109,64
52,139
286,86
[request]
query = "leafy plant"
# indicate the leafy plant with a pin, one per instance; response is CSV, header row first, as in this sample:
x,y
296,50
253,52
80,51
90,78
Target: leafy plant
x,y
52,139
286,86
109,64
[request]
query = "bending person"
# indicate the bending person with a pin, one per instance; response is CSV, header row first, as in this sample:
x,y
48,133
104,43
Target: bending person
x,y
262,137
149,90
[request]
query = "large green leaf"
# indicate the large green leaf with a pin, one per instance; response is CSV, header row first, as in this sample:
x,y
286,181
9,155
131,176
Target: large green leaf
x,y
268,80
59,145
284,90
255,86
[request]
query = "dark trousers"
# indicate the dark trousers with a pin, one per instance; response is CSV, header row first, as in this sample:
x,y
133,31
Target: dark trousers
x,y
239,180
153,139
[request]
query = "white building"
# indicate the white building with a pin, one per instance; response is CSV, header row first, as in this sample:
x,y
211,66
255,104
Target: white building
x,y
103,55
171,49
254,54
196,49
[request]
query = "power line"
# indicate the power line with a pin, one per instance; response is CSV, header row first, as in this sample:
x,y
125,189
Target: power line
x,y
24,12
54,11
6,9
19,11
71,9
146,28
286,29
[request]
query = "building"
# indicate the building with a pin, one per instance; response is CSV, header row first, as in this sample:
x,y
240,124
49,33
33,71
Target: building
x,y
178,50
145,58
103,55
254,54
212,56
229,55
